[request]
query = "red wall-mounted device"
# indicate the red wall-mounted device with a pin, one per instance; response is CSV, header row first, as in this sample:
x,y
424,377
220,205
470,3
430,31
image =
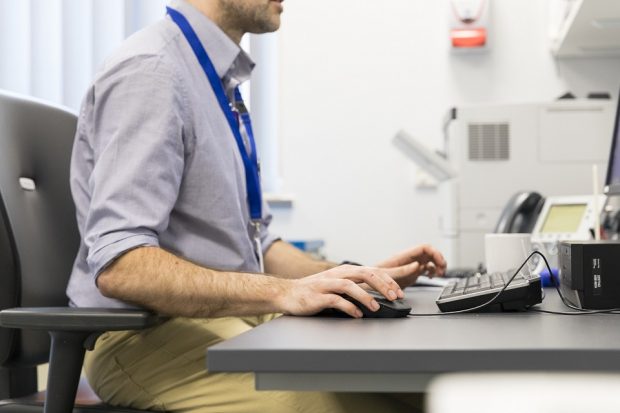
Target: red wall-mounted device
x,y
469,24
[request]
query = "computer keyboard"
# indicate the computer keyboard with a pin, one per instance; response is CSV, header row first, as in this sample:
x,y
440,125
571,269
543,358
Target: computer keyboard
x,y
468,292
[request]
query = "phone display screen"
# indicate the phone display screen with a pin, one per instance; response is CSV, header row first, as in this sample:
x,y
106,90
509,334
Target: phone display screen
x,y
563,218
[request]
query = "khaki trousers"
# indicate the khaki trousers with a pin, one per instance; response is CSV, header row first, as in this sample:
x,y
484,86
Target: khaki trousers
x,y
164,368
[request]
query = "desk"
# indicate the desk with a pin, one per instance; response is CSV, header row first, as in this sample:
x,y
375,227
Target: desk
x,y
389,355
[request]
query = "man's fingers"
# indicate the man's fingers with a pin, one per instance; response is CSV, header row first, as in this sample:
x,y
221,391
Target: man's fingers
x,y
422,253
431,260
413,268
340,303
356,292
385,284
378,279
431,268
349,289
434,257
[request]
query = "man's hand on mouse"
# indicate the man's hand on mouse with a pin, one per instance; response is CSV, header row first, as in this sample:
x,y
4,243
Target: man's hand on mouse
x,y
406,266
310,295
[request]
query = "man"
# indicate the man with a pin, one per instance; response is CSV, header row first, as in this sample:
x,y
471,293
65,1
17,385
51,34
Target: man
x,y
162,181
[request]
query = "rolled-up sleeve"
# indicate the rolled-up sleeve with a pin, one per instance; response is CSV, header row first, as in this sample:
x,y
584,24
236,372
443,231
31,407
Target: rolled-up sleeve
x,y
137,122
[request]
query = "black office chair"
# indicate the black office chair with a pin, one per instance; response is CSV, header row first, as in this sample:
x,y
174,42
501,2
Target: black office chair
x,y
39,240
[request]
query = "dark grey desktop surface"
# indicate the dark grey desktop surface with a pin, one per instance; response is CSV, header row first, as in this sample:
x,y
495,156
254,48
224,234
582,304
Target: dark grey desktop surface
x,y
305,353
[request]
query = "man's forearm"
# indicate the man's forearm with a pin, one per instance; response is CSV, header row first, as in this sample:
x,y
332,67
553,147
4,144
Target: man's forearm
x,y
284,260
155,279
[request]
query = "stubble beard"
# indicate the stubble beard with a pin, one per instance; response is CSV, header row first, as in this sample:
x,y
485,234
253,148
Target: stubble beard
x,y
250,18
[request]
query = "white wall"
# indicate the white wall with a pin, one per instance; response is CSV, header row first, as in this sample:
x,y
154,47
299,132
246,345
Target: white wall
x,y
353,72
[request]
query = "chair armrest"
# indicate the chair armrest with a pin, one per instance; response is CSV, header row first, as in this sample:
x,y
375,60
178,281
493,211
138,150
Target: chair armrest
x,y
72,331
77,319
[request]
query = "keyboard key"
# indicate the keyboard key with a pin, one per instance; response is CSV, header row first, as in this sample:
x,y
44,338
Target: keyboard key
x,y
462,283
497,280
473,281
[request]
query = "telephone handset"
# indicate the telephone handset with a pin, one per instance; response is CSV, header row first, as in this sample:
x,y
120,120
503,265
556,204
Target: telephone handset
x,y
520,213
519,216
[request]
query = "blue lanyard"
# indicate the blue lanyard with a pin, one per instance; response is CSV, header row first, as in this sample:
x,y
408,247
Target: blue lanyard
x,y
250,161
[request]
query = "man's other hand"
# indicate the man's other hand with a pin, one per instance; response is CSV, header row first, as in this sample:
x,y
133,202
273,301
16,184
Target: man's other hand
x,y
406,266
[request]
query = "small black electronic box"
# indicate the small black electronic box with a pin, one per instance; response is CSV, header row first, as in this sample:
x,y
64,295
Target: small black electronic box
x,y
590,273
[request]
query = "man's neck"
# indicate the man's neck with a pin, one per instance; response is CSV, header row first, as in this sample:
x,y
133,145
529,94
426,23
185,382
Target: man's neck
x,y
210,9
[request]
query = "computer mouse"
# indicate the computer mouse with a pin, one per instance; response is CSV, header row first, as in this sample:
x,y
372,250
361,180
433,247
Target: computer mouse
x,y
387,308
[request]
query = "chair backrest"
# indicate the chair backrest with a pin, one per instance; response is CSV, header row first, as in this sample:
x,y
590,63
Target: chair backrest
x,y
39,238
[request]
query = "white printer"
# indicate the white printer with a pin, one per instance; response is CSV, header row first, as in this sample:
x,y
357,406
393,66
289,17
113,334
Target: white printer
x,y
497,150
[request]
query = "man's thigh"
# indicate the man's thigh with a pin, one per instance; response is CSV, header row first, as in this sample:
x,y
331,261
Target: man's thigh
x,y
164,368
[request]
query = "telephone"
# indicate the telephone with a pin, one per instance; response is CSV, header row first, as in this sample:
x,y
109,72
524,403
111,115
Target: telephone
x,y
519,216
548,220
520,213
566,218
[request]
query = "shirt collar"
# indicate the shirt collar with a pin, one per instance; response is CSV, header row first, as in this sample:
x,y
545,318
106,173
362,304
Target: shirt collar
x,y
228,58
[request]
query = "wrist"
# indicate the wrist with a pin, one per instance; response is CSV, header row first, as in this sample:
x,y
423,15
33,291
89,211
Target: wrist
x,y
281,295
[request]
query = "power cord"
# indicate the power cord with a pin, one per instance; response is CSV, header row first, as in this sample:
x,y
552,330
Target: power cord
x,y
483,305
556,284
491,301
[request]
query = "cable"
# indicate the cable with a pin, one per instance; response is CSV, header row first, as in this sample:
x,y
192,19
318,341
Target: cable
x,y
538,310
488,303
578,311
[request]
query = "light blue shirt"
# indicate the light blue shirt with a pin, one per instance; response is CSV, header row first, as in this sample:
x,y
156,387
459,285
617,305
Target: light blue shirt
x,y
155,162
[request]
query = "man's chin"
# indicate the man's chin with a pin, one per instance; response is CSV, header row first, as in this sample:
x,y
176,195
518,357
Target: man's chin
x,y
267,26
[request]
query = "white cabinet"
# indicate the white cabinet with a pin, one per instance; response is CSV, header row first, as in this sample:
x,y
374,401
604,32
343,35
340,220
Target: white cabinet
x,y
587,28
